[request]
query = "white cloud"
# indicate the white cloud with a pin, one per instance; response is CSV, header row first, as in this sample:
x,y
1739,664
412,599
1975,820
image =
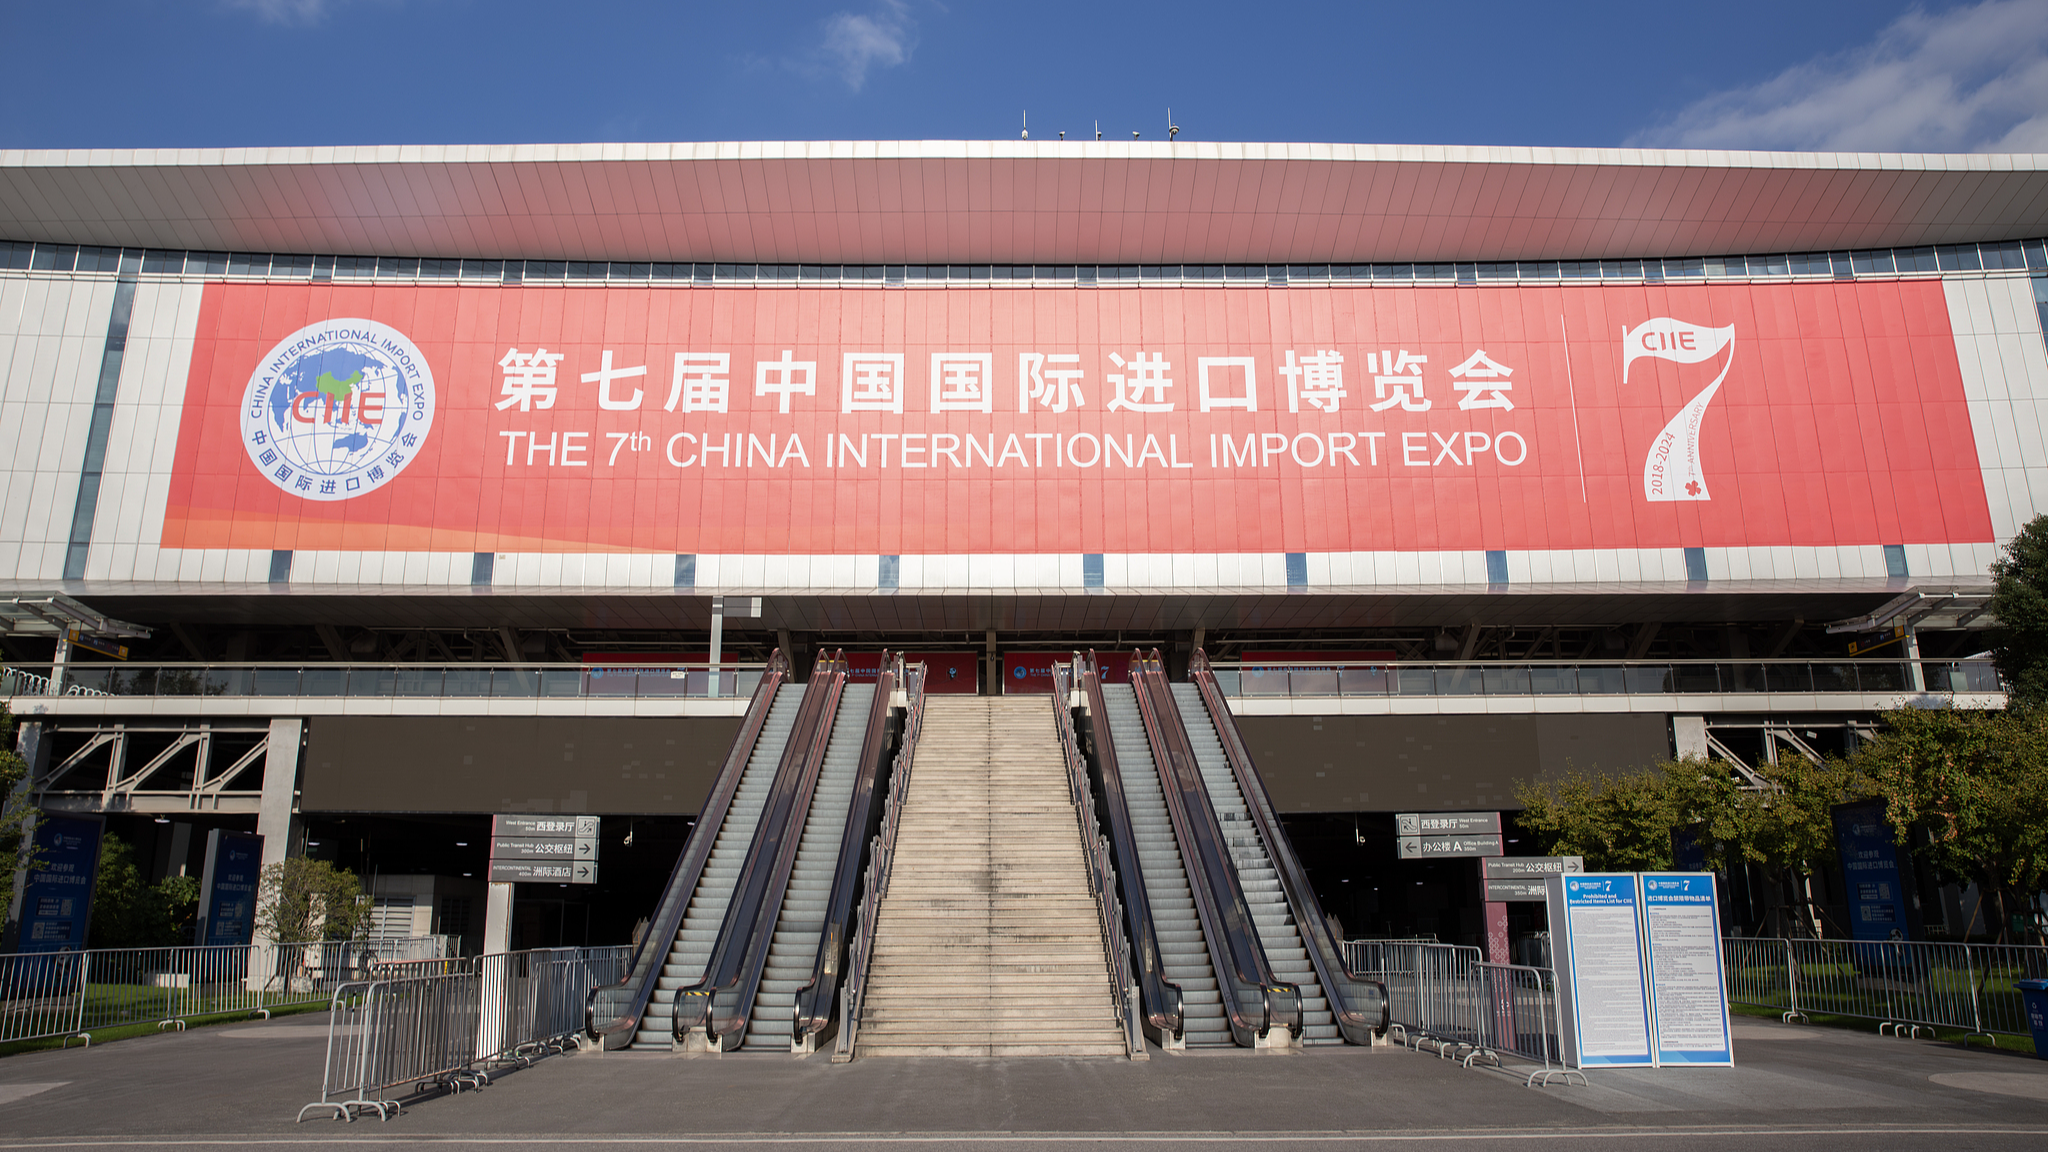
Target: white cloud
x,y
854,44
1969,80
283,11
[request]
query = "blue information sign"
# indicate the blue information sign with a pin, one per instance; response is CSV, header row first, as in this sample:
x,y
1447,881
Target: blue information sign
x,y
227,894
1878,908
1597,945
56,903
1688,991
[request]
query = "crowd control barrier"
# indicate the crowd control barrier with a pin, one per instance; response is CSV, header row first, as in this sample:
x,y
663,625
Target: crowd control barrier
x,y
1444,997
74,994
1904,986
402,1034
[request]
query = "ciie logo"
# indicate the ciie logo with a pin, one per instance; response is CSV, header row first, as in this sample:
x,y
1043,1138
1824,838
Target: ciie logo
x,y
1671,471
338,409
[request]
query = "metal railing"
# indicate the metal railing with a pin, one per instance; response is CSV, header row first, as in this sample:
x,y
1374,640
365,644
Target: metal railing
x,y
1905,986
1445,997
387,681
412,1032
1606,678
875,884
74,994
1101,871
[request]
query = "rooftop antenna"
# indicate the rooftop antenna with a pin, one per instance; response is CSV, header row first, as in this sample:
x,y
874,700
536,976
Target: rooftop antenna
x,y
1172,129
1027,125
1098,129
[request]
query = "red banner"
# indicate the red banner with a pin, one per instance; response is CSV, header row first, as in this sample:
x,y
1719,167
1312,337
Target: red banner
x,y
1000,421
1032,671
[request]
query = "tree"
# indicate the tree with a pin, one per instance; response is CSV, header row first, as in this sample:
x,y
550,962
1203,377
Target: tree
x,y
299,901
1619,823
125,912
18,818
1975,783
2019,600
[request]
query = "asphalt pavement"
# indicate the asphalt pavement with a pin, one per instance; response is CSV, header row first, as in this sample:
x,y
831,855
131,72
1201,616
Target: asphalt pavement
x,y
241,1085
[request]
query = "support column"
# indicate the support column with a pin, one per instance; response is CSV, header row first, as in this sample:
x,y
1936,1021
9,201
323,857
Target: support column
x,y
277,822
1916,677
498,919
34,752
58,662
717,649
1689,737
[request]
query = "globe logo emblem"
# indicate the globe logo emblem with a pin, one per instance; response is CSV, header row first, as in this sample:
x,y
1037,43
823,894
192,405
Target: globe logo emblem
x,y
338,409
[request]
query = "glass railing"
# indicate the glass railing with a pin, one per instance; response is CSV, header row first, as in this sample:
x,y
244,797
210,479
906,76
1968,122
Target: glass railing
x,y
388,681
1608,678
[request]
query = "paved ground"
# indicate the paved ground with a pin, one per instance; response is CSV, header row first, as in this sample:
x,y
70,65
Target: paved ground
x,y
241,1085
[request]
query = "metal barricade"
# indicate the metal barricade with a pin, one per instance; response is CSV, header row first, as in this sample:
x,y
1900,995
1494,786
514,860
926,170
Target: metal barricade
x,y
532,1001
1519,1016
1905,986
386,1034
42,994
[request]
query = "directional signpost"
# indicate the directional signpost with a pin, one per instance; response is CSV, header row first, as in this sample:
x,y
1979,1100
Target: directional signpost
x,y
544,849
1519,879
1446,835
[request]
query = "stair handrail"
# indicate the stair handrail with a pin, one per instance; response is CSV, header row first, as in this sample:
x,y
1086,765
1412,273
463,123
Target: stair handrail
x,y
1101,870
1235,951
881,855
1358,1014
1163,1000
741,948
811,1014
660,934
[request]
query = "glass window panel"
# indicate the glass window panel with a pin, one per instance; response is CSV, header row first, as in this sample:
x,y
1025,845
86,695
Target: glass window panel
x,y
777,272
291,265
1460,682
613,681
1416,681
669,271
55,257
1653,271
1872,262
398,267
92,259
864,272
630,271
561,682
15,255
1312,682
1264,681
1393,271
1250,271
483,270
156,262
818,272
1727,266
1918,260
2036,258
1497,271
1958,258
1435,272
1554,680
248,264
1646,679
1602,680
1161,272
516,682
2007,255
1685,268
1834,678
276,682
587,269
1468,273
1788,678
323,682
546,269
735,271
371,681
1809,264
1770,266
1372,681
1506,681
703,273
467,682
1695,678
440,269
417,682
1888,677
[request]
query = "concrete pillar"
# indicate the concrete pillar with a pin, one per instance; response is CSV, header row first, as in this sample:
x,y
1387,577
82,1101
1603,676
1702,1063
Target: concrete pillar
x,y
498,919
34,752
1689,737
277,822
1916,676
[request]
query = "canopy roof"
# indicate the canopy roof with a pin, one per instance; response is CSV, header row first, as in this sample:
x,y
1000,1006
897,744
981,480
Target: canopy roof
x,y
1016,202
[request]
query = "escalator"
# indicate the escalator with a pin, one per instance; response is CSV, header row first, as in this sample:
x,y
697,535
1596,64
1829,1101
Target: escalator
x,y
1335,1005
1158,879
799,930
1206,934
673,951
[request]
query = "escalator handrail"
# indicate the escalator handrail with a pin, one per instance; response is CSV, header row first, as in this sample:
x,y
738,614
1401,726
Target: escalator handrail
x,y
1162,997
1355,1020
1095,850
660,934
1235,952
881,855
812,1011
741,947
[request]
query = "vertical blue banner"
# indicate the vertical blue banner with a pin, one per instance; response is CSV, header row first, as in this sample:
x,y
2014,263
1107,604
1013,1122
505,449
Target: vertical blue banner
x,y
1688,986
227,894
56,903
1878,905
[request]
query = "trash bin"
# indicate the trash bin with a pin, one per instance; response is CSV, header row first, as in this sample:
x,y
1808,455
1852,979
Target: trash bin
x,y
2036,994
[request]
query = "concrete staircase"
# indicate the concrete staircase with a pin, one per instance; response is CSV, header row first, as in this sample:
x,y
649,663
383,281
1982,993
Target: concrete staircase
x,y
988,943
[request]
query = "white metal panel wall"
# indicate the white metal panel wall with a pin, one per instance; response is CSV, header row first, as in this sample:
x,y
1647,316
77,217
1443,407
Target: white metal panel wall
x,y
53,332
2004,362
143,439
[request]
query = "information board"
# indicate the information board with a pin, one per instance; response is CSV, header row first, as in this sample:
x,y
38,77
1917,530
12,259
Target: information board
x,y
1876,883
227,888
1596,944
1688,987
56,901
541,849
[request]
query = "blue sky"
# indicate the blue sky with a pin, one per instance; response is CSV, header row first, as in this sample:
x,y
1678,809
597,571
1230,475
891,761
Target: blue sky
x,y
1874,75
